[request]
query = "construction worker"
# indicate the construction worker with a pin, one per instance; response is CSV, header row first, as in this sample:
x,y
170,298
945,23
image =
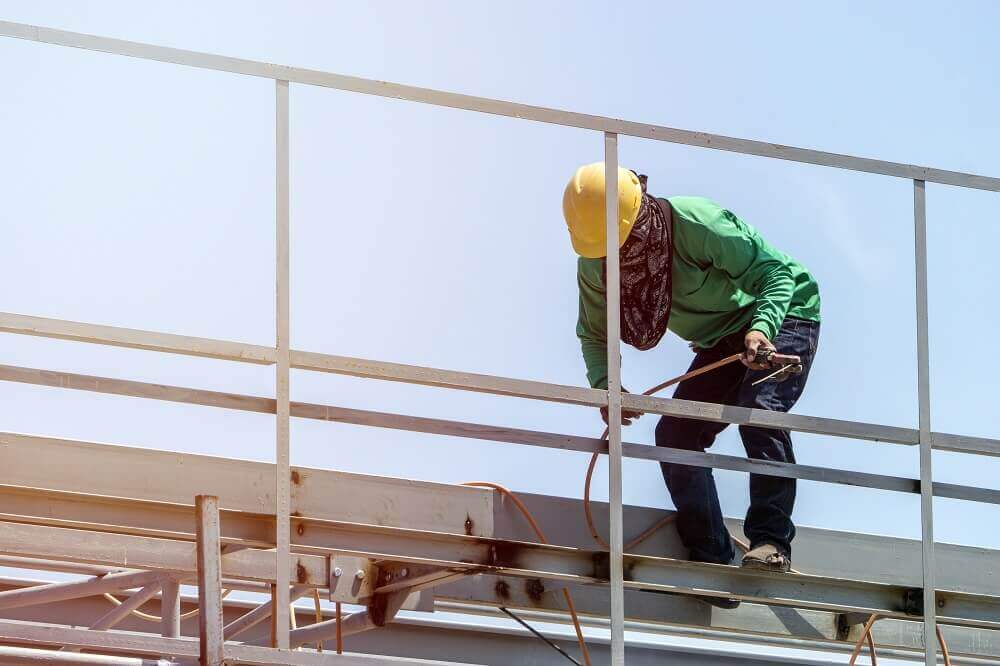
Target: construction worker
x,y
692,266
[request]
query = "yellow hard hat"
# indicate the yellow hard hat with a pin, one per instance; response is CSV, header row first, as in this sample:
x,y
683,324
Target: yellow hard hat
x,y
584,208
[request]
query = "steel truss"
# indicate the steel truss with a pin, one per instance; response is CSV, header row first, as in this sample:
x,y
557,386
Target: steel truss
x,y
289,531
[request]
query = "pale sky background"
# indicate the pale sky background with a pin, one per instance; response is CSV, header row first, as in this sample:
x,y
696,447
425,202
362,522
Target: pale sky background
x,y
140,194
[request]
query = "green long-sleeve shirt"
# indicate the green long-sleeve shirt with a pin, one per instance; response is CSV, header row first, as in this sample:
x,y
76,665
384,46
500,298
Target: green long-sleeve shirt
x,y
726,278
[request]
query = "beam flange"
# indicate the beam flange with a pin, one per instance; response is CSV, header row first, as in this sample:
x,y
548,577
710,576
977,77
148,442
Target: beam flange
x,y
146,553
241,485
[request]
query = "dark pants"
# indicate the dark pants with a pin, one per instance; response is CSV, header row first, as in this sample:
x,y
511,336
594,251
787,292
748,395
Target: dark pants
x,y
769,518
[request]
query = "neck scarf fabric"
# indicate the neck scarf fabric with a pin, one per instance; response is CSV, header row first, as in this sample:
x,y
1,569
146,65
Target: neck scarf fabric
x,y
646,262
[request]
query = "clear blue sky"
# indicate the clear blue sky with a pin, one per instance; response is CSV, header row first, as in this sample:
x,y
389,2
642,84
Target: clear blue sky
x,y
141,194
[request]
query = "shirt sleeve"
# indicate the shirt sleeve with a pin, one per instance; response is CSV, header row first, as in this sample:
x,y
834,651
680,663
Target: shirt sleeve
x,y
734,247
592,324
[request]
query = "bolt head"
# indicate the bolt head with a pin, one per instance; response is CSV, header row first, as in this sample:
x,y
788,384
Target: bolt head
x,y
337,572
404,572
360,575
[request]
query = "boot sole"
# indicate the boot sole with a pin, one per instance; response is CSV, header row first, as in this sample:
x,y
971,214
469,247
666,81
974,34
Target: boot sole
x,y
759,565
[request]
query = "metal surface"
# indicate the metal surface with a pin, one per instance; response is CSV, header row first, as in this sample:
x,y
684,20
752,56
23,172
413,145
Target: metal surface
x,y
209,582
831,554
170,608
42,634
545,639
485,384
116,336
282,455
248,486
168,555
750,625
924,405
533,563
467,381
21,655
262,612
119,613
142,474
614,402
492,106
500,434
44,594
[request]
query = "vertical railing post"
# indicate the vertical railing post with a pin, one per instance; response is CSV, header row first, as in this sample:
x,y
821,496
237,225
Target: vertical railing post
x,y
282,460
924,400
617,585
209,548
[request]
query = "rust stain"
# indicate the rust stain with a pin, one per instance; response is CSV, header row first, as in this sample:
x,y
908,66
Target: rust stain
x,y
502,589
534,589
301,575
296,478
502,553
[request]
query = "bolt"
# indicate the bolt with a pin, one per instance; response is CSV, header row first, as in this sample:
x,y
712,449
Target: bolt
x,y
337,572
404,572
940,603
360,575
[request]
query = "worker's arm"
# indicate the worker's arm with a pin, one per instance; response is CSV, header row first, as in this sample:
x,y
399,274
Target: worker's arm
x,y
592,323
592,329
754,267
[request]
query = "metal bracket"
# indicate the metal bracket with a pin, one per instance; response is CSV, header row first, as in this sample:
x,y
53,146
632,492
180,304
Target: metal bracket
x,y
352,579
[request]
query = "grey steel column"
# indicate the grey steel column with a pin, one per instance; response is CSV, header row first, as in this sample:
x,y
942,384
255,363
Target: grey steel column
x,y
281,458
924,398
614,402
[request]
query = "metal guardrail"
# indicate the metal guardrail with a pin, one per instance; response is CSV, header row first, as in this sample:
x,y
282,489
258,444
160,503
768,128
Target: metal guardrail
x,y
611,128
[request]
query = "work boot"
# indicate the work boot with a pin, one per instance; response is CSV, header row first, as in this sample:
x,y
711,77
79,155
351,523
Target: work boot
x,y
767,557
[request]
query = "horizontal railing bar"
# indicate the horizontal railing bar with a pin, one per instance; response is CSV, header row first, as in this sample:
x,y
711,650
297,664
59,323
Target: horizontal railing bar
x,y
491,433
135,339
426,376
965,444
369,369
491,106
467,381
734,415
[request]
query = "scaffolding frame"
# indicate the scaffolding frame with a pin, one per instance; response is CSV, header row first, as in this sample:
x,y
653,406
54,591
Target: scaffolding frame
x,y
972,611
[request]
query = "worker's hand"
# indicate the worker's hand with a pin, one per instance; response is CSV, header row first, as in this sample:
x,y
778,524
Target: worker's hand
x,y
627,414
754,342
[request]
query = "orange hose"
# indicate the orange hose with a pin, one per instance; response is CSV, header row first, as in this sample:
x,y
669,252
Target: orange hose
x,y
865,633
944,646
663,522
541,538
